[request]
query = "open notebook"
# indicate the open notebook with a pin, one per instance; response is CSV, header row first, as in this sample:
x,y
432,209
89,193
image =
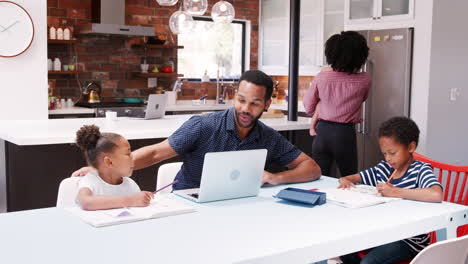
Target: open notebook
x,y
356,197
159,207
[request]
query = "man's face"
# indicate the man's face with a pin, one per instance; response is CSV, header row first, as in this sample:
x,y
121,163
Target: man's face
x,y
249,104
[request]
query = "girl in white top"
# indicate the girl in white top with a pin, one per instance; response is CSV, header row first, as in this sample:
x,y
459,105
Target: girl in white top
x,y
109,186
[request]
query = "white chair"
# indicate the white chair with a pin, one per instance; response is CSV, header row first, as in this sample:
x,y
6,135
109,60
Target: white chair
x,y
67,192
453,251
166,175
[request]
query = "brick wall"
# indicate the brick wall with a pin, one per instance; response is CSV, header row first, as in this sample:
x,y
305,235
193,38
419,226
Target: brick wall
x,y
112,62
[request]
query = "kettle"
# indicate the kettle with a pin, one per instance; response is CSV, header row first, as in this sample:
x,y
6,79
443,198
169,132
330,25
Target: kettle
x,y
92,92
93,97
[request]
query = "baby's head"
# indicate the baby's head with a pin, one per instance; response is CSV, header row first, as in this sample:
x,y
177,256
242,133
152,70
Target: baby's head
x,y
346,52
398,139
105,151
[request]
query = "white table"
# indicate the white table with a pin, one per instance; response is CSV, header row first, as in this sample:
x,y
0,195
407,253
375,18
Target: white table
x,y
250,230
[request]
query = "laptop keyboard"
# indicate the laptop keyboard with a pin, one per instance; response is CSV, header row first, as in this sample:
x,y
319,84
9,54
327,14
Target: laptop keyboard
x,y
194,195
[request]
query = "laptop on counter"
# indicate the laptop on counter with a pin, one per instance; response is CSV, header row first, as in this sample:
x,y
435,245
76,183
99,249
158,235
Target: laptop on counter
x,y
228,175
155,108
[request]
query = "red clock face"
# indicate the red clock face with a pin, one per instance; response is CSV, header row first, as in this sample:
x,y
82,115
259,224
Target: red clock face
x,y
16,29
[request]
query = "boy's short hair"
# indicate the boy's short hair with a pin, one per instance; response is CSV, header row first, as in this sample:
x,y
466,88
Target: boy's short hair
x,y
259,78
402,129
346,52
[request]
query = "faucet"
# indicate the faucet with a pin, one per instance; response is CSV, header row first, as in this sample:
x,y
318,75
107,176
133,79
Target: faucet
x,y
176,87
219,99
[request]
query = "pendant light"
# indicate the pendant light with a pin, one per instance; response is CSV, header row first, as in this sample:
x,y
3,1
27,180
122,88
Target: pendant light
x,y
196,7
166,2
181,22
223,12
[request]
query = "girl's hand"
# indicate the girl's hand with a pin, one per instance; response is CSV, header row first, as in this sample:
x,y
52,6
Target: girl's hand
x,y
141,199
345,183
388,190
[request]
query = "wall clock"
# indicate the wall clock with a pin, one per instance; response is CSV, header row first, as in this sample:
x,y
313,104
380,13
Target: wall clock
x,y
16,29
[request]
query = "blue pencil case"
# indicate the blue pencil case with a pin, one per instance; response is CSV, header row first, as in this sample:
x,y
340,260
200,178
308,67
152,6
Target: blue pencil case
x,y
302,196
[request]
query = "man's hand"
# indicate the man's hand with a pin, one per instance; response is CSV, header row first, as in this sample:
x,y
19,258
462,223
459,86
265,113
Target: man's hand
x,y
82,172
269,178
388,190
140,199
345,183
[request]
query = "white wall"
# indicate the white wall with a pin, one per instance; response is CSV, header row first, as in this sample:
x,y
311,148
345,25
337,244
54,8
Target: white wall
x,y
420,69
23,79
447,127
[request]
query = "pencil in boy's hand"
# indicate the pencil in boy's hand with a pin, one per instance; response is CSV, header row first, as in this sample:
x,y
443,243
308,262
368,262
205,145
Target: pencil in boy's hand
x,y
391,176
164,187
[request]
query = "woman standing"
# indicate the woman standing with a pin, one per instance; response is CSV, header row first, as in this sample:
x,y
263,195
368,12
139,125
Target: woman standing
x,y
337,94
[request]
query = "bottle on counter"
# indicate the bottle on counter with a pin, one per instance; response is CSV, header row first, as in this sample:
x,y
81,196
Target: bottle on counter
x,y
205,77
57,64
60,33
52,33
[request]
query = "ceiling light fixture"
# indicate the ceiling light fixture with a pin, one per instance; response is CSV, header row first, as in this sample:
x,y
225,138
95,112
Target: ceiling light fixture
x,y
181,22
166,2
196,7
223,12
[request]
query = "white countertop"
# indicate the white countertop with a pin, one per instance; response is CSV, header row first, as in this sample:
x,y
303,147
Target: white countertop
x,y
181,106
60,131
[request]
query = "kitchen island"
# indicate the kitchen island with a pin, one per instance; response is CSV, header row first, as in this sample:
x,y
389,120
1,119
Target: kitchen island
x,y
35,155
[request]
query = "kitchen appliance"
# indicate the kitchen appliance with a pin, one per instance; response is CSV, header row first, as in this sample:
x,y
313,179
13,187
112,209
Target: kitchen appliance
x,y
92,93
389,64
121,108
108,17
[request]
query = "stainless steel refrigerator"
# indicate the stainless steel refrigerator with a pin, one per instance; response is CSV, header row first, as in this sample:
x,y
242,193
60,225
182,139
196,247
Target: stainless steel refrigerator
x,y
389,64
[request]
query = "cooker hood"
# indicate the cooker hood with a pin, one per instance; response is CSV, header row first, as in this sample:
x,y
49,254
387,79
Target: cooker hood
x,y
108,17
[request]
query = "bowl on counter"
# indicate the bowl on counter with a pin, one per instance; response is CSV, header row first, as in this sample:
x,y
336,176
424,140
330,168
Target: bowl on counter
x,y
132,100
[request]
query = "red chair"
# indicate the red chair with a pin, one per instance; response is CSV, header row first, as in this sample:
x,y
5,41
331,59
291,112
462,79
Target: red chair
x,y
454,176
455,185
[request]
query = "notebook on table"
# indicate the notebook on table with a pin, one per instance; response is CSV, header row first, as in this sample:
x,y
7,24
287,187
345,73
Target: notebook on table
x,y
356,197
159,207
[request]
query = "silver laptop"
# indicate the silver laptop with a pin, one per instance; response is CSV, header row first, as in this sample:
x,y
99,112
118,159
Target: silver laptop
x,y
155,108
228,175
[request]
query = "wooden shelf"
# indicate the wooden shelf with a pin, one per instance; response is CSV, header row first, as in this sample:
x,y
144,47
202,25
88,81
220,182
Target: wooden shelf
x,y
64,72
59,41
155,46
159,74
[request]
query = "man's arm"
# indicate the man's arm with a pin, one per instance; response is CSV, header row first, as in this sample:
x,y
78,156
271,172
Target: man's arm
x,y
142,157
302,169
149,155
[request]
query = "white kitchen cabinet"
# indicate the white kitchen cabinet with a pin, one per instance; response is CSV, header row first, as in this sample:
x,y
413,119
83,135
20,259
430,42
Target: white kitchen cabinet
x,y
378,14
319,19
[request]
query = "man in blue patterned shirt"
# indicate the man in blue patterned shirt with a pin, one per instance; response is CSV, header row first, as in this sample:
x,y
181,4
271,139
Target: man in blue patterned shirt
x,y
237,128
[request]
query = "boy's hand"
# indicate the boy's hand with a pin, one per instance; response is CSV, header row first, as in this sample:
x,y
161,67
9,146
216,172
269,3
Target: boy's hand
x,y
140,199
388,190
345,183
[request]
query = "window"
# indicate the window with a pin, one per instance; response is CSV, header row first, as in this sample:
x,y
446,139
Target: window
x,y
212,47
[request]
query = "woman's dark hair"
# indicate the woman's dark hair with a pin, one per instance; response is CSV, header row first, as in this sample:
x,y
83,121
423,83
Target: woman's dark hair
x,y
402,129
92,142
346,52
259,78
